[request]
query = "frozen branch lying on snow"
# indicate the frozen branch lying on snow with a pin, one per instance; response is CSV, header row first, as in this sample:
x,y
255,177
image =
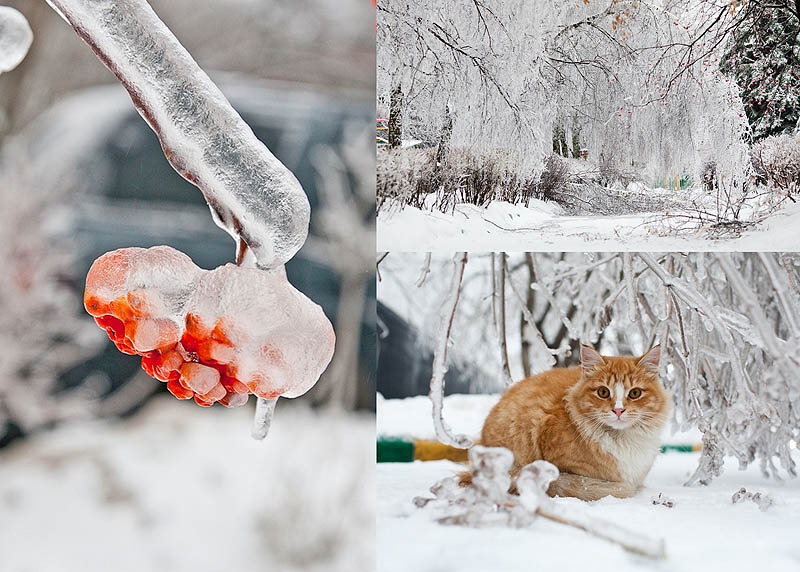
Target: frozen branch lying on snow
x,y
15,38
252,195
487,502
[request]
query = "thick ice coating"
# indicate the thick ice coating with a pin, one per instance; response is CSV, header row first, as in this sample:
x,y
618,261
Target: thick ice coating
x,y
252,195
15,38
215,335
137,295
265,332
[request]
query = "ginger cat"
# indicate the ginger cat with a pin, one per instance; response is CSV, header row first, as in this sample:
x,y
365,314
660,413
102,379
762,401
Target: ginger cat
x,y
599,423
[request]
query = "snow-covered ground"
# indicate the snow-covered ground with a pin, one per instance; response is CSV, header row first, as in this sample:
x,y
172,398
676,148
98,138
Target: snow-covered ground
x,y
410,418
703,530
180,488
539,226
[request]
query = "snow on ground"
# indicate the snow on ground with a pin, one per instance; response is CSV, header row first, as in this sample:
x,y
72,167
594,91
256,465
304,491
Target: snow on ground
x,y
411,418
503,226
704,530
179,488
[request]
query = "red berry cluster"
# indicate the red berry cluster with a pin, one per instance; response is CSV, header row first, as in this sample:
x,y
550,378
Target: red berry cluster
x,y
195,363
211,335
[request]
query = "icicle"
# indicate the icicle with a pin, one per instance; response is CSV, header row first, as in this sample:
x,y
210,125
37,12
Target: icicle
x,y
265,409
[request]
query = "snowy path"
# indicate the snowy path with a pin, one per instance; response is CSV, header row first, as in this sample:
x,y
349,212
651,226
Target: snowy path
x,y
503,226
703,530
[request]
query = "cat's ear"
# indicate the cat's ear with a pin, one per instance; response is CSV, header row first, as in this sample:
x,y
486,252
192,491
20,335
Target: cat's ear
x,y
651,359
590,359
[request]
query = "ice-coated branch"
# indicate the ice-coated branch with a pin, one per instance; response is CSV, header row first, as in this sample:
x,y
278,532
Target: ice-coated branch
x,y
627,269
529,319
15,38
251,194
487,501
426,269
499,309
628,539
446,315
790,307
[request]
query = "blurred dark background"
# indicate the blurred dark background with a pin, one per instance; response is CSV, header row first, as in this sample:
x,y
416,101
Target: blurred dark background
x,y
81,174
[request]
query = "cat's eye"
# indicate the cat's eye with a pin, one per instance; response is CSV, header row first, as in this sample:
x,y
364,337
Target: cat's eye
x,y
635,393
603,392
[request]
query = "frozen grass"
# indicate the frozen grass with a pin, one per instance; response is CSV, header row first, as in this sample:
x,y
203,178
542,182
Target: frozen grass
x,y
177,488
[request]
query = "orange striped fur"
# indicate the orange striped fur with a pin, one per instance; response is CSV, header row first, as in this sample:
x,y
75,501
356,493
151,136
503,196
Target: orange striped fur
x,y
566,416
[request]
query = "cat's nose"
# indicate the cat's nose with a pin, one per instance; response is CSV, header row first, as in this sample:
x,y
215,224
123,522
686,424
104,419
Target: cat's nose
x,y
619,412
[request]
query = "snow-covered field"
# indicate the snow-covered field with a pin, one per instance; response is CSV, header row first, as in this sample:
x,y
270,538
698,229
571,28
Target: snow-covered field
x,y
179,488
410,418
703,530
503,227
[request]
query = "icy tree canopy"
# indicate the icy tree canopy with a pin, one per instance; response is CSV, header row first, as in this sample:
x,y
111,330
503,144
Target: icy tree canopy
x,y
251,194
15,38
634,84
728,325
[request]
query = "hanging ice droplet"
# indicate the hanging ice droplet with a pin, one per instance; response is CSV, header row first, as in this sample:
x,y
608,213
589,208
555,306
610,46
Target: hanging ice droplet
x,y
16,37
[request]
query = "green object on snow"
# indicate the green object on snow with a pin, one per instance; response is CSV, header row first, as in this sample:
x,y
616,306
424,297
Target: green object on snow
x,y
395,451
680,448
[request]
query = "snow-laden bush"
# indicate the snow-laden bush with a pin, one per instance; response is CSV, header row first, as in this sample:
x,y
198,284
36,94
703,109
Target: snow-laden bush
x,y
554,178
42,329
403,177
776,160
411,176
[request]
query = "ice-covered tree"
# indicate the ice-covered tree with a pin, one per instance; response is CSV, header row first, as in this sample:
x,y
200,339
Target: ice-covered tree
x,y
637,84
728,325
763,55
474,64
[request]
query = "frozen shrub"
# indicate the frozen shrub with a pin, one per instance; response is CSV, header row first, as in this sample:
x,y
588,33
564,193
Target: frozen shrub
x,y
611,175
776,161
409,176
404,176
553,179
710,175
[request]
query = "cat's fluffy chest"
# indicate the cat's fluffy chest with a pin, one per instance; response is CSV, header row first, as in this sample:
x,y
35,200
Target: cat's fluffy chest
x,y
633,449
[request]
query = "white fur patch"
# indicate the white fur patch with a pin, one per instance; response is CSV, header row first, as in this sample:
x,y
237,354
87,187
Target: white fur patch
x,y
635,450
619,393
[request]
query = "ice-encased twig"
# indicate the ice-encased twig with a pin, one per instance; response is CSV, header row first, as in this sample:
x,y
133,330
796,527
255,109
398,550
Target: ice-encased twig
x,y
15,38
265,409
499,311
488,502
626,538
252,195
529,319
446,314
